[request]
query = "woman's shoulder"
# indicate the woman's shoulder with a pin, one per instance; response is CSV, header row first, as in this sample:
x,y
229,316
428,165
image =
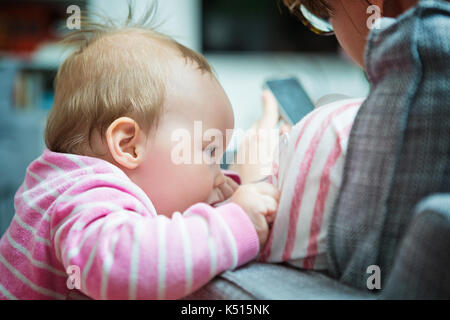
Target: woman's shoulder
x,y
322,132
336,115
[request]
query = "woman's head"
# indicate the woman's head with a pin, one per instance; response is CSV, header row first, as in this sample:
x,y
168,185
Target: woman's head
x,y
349,19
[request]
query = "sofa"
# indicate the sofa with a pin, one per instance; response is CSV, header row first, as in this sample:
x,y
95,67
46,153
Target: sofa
x,y
420,270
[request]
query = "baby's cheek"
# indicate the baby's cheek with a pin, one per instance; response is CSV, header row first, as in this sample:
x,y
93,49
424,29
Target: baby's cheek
x,y
176,187
192,184
201,183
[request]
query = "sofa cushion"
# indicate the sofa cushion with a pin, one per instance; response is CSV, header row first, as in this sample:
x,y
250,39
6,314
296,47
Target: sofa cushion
x,y
276,282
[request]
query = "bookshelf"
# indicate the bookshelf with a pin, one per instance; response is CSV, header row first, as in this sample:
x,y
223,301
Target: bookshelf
x,y
29,59
28,33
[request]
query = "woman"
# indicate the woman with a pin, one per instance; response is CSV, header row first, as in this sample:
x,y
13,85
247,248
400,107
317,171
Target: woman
x,y
399,147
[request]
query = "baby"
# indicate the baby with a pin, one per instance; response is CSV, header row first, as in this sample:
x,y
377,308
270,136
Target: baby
x,y
105,212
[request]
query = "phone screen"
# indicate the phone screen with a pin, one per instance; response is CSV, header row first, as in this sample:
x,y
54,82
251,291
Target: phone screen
x,y
293,100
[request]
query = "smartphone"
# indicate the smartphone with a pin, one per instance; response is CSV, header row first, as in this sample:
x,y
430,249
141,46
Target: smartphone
x,y
294,103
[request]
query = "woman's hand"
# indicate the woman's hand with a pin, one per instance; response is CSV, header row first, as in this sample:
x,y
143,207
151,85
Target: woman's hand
x,y
259,138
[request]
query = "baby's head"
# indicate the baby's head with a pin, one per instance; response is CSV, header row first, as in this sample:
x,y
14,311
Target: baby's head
x,y
121,97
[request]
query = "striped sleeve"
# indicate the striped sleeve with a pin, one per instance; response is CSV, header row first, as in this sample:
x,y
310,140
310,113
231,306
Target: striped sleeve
x,y
122,253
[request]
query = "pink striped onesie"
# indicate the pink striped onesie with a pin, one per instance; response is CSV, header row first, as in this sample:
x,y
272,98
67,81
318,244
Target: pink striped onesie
x,y
308,174
85,216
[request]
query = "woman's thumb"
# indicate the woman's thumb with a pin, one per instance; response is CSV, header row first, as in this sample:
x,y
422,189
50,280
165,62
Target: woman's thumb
x,y
270,116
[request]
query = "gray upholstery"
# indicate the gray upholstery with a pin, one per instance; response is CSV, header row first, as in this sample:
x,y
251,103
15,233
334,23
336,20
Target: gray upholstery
x,y
420,271
399,147
276,282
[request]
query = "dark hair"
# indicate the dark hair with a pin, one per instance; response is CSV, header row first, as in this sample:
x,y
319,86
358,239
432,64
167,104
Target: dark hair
x,y
320,8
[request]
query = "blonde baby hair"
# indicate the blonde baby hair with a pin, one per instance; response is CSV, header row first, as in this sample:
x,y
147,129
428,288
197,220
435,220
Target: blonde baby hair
x,y
117,70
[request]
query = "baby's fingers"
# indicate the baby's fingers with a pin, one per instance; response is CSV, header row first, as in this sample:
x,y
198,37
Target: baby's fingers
x,y
227,189
233,184
269,190
270,218
271,205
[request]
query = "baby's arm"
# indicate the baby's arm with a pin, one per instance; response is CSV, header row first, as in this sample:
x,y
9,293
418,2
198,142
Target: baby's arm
x,y
124,251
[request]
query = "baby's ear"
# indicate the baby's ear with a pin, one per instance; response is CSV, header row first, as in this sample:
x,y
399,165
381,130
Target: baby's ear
x,y
126,142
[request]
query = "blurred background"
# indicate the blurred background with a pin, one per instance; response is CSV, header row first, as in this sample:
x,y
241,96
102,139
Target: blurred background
x,y
245,41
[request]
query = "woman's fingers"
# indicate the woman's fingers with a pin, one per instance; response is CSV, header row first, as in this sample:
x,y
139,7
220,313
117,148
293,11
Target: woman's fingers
x,y
270,116
256,151
285,128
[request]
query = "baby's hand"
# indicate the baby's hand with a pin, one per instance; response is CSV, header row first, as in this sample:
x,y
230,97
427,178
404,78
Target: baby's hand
x,y
260,202
223,191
